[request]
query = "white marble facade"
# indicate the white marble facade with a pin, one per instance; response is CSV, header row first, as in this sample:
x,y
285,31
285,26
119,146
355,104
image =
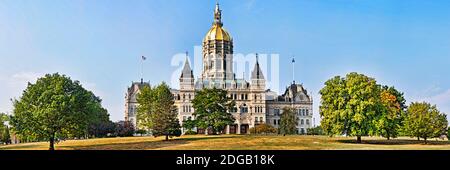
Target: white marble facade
x,y
254,103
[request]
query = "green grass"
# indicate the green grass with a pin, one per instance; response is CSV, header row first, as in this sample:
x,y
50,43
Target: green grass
x,y
239,142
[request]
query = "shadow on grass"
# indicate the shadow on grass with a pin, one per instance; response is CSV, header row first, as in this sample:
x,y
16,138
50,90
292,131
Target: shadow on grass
x,y
396,142
146,144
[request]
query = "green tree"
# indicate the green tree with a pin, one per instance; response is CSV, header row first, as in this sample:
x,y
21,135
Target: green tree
x,y
349,105
4,129
189,124
288,122
448,133
425,121
212,109
157,111
389,121
146,99
6,136
99,124
54,107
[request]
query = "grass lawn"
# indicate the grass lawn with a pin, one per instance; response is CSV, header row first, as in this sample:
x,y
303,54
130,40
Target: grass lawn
x,y
239,142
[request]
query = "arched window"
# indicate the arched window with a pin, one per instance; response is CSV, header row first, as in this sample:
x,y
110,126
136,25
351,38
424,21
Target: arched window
x,y
302,122
244,109
307,121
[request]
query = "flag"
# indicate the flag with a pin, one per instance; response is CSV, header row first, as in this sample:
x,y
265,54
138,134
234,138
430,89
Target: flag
x,y
293,60
144,58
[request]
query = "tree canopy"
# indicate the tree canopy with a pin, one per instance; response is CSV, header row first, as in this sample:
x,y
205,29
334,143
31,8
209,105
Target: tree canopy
x,y
54,107
288,122
425,121
212,109
157,112
349,105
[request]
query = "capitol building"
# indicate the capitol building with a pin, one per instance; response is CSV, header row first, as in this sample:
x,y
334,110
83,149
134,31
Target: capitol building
x,y
254,103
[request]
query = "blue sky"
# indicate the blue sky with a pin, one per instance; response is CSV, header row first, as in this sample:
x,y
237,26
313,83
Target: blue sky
x,y
402,43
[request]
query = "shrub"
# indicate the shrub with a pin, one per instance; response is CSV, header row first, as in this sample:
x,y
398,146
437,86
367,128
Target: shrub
x,y
315,131
124,128
141,132
263,129
190,132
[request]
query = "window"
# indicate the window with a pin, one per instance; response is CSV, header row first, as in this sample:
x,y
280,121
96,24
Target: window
x,y
225,65
256,119
261,119
307,121
276,112
184,118
302,122
307,112
244,108
234,109
274,121
278,121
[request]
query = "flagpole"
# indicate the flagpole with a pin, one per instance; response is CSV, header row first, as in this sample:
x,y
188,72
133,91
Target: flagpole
x,y
142,69
293,69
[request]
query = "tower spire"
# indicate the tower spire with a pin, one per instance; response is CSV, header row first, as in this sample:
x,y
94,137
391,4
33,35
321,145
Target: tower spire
x,y
217,15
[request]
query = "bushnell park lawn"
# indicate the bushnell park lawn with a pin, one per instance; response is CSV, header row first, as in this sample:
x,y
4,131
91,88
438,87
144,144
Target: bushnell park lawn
x,y
239,142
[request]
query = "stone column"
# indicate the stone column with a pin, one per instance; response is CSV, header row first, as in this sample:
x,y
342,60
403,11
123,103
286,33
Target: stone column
x,y
238,129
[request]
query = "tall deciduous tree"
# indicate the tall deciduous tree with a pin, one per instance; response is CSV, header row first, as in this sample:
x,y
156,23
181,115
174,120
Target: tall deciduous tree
x,y
157,111
288,122
389,120
52,108
212,109
349,105
146,100
425,121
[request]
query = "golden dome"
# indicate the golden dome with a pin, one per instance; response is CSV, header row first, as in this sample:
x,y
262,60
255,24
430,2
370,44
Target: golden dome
x,y
217,33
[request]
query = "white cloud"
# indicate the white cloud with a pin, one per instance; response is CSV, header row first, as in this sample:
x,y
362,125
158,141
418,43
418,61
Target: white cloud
x,y
441,100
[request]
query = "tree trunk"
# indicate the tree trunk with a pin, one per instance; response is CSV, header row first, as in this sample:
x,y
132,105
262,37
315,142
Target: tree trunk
x,y
52,143
425,140
167,137
358,139
418,138
388,138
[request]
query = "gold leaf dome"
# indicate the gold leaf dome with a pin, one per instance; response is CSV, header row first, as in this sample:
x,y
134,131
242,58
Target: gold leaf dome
x,y
217,33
